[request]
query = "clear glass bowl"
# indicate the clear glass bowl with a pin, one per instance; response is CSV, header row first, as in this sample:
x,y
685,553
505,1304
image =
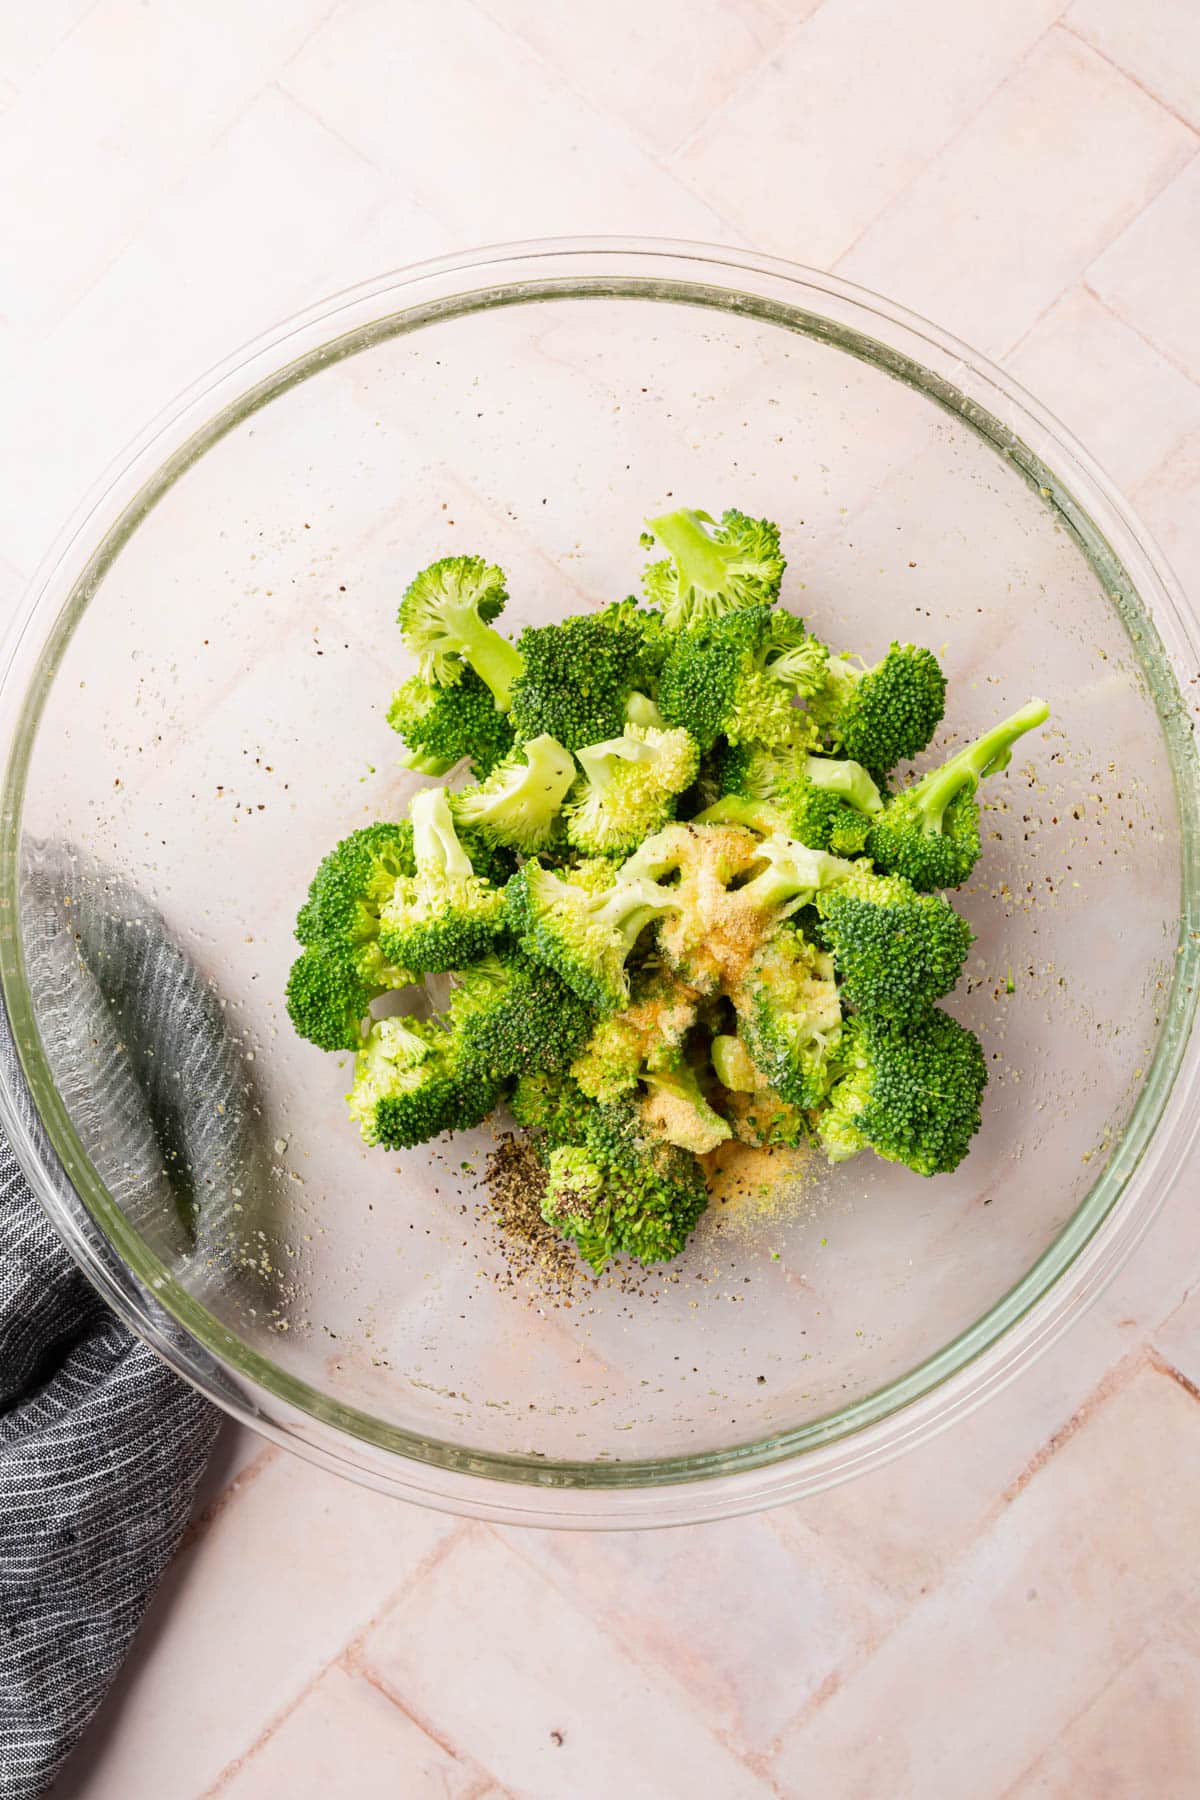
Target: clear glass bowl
x,y
194,699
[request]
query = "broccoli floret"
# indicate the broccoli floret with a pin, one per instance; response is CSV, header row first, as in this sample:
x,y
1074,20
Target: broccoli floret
x,y
595,873
519,803
794,875
647,1035
910,1091
444,617
712,568
553,1108
821,802
342,969
629,788
410,1085
620,1189
352,883
790,1017
445,916
514,1017
578,676
442,725
657,1190
895,951
577,1204
882,715
720,678
677,1111
929,832
583,936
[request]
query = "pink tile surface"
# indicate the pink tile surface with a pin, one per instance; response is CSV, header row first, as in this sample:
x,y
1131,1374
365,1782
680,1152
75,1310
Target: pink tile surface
x,y
1011,1610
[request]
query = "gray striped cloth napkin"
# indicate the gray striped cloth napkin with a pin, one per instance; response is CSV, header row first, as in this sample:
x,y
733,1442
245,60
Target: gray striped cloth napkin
x,y
101,1446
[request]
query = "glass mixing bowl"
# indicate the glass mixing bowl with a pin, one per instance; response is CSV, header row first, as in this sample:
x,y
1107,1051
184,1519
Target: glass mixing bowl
x,y
194,700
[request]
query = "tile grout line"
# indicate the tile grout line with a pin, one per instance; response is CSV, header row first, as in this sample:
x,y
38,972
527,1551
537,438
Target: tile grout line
x,y
1105,1389
1014,1790
661,159
197,1529
1164,1366
1120,69
948,143
339,1659
756,1761
1159,349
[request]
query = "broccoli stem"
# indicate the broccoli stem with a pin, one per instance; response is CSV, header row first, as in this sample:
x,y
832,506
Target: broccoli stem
x,y
684,536
986,756
793,874
493,658
641,710
849,779
736,809
629,907
435,841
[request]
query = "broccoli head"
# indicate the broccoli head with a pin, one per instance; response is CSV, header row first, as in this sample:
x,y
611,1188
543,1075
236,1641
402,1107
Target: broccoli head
x,y
583,936
909,1090
442,725
629,788
445,915
514,1017
720,678
823,803
929,831
882,715
343,968
620,1189
552,1107
895,951
577,677
647,1035
519,803
712,568
790,1017
410,1085
445,621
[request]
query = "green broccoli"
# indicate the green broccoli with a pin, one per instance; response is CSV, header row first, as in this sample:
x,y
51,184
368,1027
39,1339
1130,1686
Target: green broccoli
x,y
518,805
910,1090
895,951
551,1107
620,1189
578,677
514,1017
445,916
790,1017
733,1065
821,802
647,1035
794,875
583,936
442,725
882,715
576,1203
720,677
677,1110
342,968
445,620
929,832
629,788
410,1085
712,568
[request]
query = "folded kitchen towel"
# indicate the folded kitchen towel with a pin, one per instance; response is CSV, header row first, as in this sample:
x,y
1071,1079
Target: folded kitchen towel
x,y
101,1445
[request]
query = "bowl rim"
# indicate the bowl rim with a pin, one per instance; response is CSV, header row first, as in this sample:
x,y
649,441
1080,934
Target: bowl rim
x,y
1094,1242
